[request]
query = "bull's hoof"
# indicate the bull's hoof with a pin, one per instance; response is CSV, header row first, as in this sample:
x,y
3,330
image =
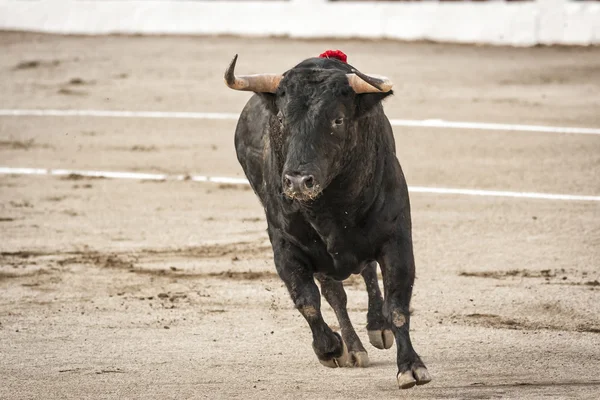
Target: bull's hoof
x,y
418,376
338,362
421,375
406,380
382,339
358,359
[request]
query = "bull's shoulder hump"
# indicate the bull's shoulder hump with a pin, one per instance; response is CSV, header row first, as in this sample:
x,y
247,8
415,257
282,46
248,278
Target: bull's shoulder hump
x,y
254,117
255,107
252,125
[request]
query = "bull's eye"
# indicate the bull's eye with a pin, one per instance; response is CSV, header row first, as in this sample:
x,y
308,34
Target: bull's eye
x,y
280,118
338,121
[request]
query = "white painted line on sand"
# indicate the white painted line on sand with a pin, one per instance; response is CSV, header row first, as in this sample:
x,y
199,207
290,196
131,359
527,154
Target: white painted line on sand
x,y
242,181
117,114
500,193
426,123
440,123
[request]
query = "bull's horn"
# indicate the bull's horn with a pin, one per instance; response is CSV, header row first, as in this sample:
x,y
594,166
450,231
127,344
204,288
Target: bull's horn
x,y
266,83
362,83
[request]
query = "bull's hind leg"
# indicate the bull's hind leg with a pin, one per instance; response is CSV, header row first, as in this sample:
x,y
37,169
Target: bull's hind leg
x,y
327,345
398,269
334,293
379,330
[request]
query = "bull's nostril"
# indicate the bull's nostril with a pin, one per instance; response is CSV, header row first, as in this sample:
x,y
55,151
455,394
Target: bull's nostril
x,y
298,183
309,182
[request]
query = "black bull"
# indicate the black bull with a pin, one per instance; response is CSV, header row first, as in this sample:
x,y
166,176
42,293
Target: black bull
x,y
319,153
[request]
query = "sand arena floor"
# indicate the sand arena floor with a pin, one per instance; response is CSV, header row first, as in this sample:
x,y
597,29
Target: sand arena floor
x,y
140,289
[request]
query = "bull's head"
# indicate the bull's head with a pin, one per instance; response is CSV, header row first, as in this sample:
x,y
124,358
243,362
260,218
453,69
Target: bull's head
x,y
315,114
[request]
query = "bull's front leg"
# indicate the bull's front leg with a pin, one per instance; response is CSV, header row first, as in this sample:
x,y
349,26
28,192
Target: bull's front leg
x,y
334,293
398,269
298,278
380,333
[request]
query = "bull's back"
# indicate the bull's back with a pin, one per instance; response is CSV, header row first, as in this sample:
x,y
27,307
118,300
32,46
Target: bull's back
x,y
251,137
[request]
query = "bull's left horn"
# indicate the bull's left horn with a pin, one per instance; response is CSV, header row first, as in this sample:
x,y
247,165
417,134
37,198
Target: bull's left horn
x,y
362,83
265,83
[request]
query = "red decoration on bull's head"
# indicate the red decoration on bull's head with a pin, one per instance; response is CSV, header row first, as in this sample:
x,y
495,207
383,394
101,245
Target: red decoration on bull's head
x,y
334,54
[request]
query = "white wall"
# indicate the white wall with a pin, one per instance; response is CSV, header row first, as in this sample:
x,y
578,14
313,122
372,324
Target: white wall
x,y
495,22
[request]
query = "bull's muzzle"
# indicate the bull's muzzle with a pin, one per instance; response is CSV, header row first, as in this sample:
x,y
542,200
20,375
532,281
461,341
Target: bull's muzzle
x,y
303,187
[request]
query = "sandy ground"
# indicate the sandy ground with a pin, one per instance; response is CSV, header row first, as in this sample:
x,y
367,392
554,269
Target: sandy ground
x,y
133,289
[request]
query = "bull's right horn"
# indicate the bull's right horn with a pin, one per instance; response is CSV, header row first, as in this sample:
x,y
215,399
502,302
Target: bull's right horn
x,y
264,83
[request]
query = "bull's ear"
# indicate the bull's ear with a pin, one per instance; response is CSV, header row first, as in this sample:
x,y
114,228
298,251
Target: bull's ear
x,y
268,100
366,101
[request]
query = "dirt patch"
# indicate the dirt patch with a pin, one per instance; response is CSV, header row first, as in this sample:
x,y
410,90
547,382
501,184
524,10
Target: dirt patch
x,y
85,186
170,273
20,254
55,198
79,82
522,273
15,275
133,261
494,321
231,186
244,275
110,371
98,260
22,145
33,64
135,148
252,219
142,148
21,204
71,92
247,249
130,263
590,284
500,322
79,177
